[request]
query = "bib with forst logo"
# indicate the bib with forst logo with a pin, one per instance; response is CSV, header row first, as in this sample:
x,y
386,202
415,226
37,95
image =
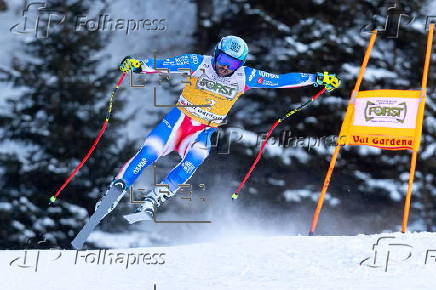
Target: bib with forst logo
x,y
207,98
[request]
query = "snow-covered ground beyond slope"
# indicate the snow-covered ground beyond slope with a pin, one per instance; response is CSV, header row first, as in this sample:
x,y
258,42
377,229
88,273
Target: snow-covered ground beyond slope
x,y
386,261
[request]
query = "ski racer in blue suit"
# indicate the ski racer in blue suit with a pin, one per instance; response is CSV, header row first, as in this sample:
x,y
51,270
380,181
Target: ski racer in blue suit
x,y
215,84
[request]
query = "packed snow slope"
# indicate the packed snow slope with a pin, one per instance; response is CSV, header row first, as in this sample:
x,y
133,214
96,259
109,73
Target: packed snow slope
x,y
402,261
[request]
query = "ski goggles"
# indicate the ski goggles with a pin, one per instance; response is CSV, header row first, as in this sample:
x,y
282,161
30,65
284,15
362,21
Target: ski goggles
x,y
231,62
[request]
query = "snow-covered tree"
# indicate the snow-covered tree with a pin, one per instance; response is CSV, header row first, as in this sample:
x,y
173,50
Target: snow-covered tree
x,y
64,89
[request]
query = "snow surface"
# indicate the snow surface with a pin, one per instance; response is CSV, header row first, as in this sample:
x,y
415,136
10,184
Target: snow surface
x,y
404,261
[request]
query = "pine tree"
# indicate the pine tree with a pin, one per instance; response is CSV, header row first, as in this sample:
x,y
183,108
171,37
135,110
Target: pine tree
x,y
56,118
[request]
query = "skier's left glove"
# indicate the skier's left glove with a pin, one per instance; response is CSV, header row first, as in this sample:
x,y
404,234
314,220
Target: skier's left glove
x,y
131,64
329,81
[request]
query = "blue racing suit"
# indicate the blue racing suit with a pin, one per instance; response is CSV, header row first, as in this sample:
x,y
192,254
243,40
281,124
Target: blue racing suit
x,y
187,128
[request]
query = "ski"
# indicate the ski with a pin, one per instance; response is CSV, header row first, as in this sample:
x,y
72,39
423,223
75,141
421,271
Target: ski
x,y
111,197
138,216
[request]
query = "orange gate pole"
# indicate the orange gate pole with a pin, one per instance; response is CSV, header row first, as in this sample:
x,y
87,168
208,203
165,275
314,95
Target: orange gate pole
x,y
409,192
418,129
338,147
324,190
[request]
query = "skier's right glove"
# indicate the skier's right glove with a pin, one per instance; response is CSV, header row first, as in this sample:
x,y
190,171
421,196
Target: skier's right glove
x,y
131,64
329,81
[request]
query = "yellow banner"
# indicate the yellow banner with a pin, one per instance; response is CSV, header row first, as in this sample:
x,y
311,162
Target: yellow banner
x,y
387,119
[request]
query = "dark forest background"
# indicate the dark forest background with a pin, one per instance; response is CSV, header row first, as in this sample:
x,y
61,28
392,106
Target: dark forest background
x,y
62,104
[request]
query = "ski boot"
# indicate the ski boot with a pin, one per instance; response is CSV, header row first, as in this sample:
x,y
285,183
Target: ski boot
x,y
154,199
118,185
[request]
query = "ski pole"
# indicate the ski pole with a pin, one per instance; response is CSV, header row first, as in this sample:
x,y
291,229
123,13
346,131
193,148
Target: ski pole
x,y
268,134
97,139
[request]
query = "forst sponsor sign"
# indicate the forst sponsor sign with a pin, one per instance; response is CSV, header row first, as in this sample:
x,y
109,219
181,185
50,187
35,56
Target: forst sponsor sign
x,y
386,112
386,119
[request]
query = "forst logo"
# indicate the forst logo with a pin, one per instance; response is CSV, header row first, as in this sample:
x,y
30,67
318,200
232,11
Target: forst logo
x,y
386,112
216,87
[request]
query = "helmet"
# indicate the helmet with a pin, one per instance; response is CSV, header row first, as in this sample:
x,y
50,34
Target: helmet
x,y
233,46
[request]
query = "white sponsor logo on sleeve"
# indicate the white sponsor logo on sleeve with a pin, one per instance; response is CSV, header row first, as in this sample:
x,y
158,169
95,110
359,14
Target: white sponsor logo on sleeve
x,y
268,75
252,74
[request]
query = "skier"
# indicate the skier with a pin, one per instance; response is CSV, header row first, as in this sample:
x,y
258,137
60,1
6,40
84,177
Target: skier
x,y
216,82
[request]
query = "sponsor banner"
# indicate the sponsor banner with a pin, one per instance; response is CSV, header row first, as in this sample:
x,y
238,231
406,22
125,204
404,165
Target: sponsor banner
x,y
389,143
388,119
